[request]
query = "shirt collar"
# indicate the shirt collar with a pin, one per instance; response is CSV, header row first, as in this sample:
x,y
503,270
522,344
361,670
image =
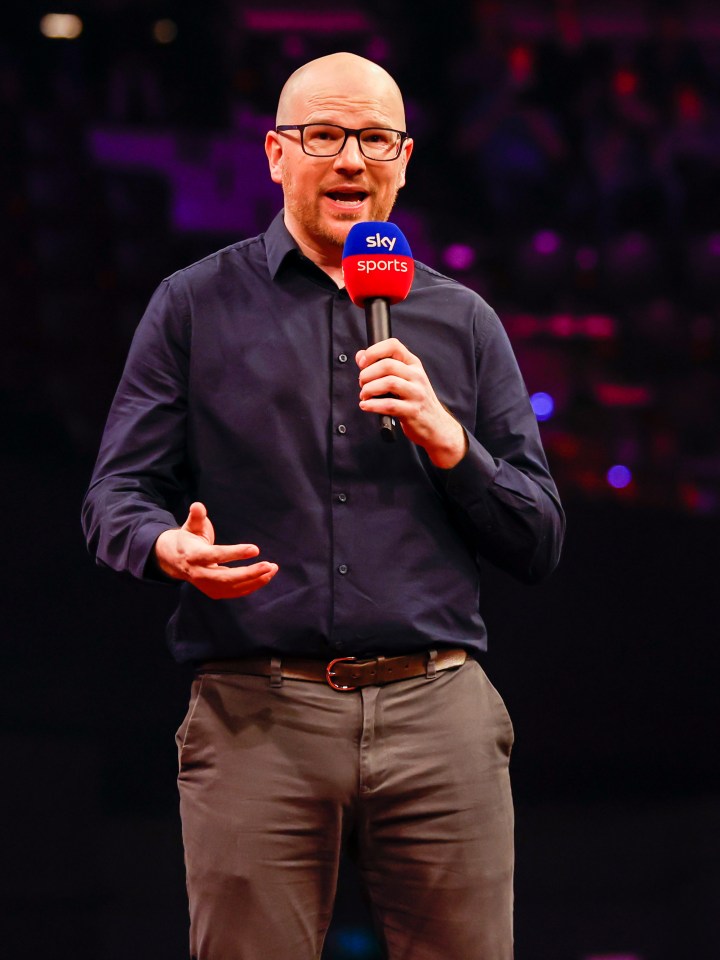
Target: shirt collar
x,y
280,246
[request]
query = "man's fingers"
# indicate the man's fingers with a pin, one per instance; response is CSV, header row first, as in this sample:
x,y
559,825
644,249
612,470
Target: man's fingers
x,y
226,553
397,386
198,522
234,575
196,517
224,583
388,366
384,348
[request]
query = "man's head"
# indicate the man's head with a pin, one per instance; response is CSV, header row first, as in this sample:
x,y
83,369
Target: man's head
x,y
325,196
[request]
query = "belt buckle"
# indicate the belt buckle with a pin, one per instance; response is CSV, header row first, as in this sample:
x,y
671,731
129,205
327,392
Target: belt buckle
x,y
329,672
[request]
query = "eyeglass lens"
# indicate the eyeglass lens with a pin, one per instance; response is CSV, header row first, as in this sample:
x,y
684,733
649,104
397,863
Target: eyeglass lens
x,y
326,140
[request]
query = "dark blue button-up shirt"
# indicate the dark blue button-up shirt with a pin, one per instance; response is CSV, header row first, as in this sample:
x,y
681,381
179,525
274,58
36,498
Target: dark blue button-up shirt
x,y
241,391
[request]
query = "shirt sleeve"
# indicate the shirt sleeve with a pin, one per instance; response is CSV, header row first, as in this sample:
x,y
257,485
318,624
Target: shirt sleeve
x,y
140,476
503,485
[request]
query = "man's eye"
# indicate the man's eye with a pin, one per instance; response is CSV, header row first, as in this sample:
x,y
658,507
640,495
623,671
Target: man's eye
x,y
378,138
318,133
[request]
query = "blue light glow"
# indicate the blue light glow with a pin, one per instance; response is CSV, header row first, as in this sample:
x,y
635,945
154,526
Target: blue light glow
x,y
356,942
543,405
619,476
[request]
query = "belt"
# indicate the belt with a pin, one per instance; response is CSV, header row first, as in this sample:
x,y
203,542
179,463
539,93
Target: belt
x,y
343,673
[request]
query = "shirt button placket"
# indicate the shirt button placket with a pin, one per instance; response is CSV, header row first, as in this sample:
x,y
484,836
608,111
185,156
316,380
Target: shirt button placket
x,y
348,332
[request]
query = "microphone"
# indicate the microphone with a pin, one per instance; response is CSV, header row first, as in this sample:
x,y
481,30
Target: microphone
x,y
378,270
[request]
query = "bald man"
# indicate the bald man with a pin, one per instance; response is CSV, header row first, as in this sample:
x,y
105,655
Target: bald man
x,y
339,702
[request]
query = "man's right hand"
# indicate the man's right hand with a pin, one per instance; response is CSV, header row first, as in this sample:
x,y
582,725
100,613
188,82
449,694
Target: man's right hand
x,y
190,553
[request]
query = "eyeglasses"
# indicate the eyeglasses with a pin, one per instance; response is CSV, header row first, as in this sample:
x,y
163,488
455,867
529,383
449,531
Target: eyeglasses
x,y
328,140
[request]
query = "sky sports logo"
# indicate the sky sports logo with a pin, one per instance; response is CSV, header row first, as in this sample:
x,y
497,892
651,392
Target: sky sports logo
x,y
382,264
379,241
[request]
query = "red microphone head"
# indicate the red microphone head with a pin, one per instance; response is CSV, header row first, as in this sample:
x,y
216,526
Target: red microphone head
x,y
377,263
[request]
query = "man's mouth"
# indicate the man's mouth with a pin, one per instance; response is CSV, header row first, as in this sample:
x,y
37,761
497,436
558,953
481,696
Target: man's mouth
x,y
348,198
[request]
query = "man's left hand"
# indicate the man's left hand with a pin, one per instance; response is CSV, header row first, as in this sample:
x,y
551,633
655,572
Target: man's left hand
x,y
388,367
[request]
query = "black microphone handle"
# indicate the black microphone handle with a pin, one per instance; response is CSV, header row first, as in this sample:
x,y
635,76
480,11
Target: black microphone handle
x,y
377,321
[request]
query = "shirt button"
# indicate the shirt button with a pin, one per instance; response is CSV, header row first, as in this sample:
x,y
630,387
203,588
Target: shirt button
x,y
342,497
343,358
341,428
343,568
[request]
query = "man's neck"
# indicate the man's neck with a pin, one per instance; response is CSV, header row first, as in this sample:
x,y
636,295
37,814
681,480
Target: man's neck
x,y
329,261
334,271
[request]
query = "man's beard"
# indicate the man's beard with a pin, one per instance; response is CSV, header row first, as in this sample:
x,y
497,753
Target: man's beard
x,y
306,213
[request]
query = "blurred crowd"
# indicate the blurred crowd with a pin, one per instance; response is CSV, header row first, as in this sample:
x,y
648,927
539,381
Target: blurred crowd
x,y
567,166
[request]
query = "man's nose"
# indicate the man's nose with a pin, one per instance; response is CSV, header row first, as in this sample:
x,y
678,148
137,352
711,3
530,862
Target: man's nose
x,y
350,157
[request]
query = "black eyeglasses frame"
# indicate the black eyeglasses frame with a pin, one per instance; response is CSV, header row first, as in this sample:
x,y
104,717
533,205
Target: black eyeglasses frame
x,y
283,127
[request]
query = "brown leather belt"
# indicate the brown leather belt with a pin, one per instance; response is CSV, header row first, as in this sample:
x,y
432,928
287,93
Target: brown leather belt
x,y
344,673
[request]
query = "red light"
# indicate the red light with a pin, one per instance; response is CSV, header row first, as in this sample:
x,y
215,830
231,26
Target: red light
x,y
689,103
623,394
625,82
520,63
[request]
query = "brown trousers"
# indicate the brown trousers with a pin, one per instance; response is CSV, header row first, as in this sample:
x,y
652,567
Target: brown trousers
x,y
274,780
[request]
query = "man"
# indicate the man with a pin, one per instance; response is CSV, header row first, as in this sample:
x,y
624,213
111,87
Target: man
x,y
240,399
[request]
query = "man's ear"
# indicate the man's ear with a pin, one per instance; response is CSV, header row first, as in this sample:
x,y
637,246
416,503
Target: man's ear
x,y
274,153
407,150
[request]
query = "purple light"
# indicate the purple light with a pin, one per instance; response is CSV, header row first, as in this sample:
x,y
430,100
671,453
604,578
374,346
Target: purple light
x,y
378,49
322,21
714,244
543,405
614,956
293,46
546,242
586,258
619,476
561,325
633,245
459,256
597,325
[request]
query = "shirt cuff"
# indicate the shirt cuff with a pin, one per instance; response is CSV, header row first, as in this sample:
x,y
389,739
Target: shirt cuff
x,y
142,557
468,481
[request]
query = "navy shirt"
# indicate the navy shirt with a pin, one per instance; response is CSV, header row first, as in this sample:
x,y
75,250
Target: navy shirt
x,y
241,391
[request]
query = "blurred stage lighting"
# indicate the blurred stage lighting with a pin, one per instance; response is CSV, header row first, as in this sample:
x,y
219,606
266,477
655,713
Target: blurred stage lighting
x,y
625,83
459,256
632,263
165,31
61,26
586,258
619,477
613,956
543,405
698,500
356,942
293,46
546,242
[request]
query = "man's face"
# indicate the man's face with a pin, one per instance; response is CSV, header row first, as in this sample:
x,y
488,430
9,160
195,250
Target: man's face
x,y
325,196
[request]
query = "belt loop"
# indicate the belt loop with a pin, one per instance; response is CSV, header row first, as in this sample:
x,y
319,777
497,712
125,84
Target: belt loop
x,y
380,676
276,679
431,670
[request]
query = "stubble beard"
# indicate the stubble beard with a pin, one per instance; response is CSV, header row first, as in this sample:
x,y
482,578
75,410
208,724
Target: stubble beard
x,y
306,212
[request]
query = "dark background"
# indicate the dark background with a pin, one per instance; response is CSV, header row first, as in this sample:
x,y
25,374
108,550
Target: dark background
x,y
567,166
